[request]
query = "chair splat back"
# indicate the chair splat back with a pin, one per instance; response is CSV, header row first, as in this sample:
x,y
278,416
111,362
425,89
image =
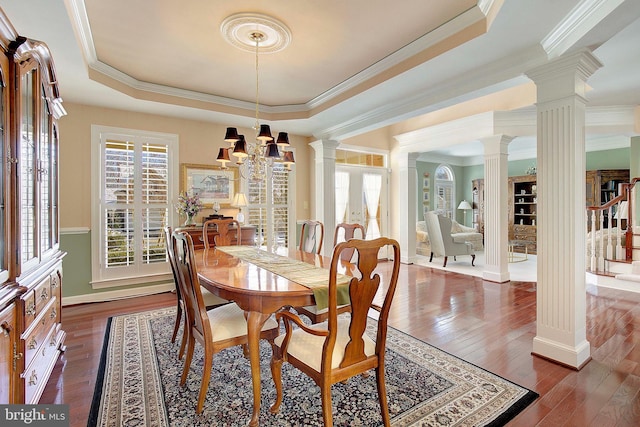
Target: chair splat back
x,y
349,233
311,236
225,228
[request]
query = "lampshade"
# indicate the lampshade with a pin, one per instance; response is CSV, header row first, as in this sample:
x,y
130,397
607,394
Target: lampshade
x,y
231,135
223,156
283,139
288,158
272,150
240,148
623,210
239,200
265,133
464,205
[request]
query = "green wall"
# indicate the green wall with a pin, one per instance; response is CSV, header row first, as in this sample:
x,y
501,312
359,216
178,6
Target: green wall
x,y
618,158
76,265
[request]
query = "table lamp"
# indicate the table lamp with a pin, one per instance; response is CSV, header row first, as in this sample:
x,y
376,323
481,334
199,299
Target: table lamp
x,y
240,201
464,205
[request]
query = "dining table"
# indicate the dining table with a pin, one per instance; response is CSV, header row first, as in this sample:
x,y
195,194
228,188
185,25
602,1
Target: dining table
x,y
262,283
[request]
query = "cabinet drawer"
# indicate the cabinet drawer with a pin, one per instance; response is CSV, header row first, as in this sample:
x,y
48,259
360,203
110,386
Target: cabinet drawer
x,y
37,372
29,308
38,334
56,283
43,294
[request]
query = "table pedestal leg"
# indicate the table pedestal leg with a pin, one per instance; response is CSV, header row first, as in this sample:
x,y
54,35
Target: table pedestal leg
x,y
255,322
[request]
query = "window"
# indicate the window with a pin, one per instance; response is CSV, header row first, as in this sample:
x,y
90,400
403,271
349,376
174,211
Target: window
x,y
270,208
132,192
445,184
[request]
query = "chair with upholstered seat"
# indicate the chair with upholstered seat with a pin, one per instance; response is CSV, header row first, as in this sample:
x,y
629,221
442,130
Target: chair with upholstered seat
x,y
340,348
311,236
442,243
225,228
216,329
343,231
210,300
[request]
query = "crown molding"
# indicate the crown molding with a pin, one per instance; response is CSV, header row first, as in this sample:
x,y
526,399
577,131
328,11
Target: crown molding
x,y
582,19
457,24
82,28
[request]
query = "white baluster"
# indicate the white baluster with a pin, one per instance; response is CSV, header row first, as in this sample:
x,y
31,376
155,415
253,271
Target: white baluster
x,y
594,265
601,243
620,252
609,245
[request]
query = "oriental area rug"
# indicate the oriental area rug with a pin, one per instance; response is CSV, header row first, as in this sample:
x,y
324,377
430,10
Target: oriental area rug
x,y
138,385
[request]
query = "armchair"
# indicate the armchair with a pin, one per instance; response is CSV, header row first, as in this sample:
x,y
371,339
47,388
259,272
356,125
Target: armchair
x,y
442,243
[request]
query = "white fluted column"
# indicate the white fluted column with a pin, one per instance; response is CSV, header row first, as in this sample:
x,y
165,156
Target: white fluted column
x,y
496,213
325,201
561,292
403,203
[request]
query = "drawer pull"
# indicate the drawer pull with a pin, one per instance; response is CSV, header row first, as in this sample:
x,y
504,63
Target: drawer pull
x,y
33,380
16,356
33,344
6,329
53,314
31,309
44,295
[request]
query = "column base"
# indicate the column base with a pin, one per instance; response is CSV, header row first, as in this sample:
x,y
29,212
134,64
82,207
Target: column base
x,y
496,277
573,357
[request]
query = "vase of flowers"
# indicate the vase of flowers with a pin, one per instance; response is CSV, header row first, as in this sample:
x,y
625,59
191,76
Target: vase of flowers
x,y
189,206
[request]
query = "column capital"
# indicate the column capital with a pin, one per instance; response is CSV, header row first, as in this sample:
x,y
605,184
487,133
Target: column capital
x,y
325,147
496,144
565,75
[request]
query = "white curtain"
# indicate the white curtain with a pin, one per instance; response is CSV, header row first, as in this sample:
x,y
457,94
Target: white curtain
x,y
342,199
372,186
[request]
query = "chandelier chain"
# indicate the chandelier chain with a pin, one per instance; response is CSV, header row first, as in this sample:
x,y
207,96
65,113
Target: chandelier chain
x,y
257,37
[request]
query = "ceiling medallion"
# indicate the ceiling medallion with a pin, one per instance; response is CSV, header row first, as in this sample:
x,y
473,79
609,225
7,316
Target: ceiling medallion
x,y
239,30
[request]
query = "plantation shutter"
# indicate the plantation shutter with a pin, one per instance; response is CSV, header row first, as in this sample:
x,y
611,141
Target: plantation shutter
x,y
268,208
135,203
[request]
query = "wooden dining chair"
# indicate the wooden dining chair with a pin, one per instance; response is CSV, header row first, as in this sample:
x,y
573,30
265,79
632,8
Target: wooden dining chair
x,y
225,229
340,348
310,239
210,300
311,311
216,329
349,231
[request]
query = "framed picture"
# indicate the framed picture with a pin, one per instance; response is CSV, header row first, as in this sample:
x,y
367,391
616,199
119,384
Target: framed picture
x,y
211,183
425,182
425,197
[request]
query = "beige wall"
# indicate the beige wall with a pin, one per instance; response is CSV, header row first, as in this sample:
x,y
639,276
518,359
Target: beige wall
x,y
199,143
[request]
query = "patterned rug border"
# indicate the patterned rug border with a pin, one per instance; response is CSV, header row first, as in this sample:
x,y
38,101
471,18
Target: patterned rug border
x,y
394,341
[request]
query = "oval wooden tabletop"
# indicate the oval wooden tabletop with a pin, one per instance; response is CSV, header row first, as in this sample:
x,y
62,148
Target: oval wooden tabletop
x,y
252,287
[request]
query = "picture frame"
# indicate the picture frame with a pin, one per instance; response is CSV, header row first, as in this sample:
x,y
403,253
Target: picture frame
x,y
425,197
212,183
425,183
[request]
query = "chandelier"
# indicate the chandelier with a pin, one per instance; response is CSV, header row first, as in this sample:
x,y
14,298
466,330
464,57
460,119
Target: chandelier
x,y
266,149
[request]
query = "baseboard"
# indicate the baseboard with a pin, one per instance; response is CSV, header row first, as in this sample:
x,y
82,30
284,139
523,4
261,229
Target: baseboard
x,y
119,294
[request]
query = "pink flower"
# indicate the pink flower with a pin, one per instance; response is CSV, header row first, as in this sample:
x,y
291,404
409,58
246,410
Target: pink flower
x,y
188,205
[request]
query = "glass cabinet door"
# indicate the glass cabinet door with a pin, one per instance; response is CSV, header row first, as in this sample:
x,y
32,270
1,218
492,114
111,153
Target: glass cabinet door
x,y
28,249
44,176
4,166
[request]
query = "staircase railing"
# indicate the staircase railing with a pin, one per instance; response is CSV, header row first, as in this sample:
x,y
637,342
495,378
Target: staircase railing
x,y
621,207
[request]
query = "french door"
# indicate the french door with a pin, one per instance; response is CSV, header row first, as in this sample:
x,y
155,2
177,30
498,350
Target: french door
x,y
361,197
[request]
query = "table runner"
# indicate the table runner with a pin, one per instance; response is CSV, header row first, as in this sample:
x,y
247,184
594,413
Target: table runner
x,y
314,278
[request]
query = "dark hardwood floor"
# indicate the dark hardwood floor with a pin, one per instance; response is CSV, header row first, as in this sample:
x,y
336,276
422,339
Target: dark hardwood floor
x,y
488,324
